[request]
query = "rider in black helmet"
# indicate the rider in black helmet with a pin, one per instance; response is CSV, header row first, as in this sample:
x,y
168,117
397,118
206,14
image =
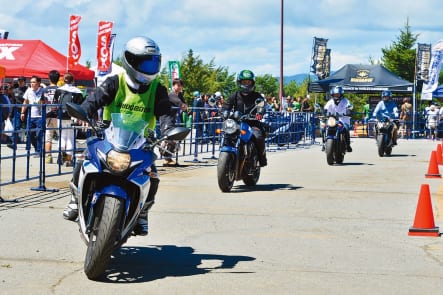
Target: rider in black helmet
x,y
243,100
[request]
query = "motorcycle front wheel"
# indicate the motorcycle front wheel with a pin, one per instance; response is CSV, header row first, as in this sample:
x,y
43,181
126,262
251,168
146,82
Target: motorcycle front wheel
x,y
329,150
103,236
226,171
381,144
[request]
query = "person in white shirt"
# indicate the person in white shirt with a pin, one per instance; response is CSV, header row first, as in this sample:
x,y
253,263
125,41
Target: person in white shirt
x,y
340,105
33,96
67,135
432,121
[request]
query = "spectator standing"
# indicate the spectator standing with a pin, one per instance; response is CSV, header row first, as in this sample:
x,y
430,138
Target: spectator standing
x,y
67,93
51,113
275,106
297,104
197,109
305,106
32,97
5,111
406,117
177,104
18,92
432,121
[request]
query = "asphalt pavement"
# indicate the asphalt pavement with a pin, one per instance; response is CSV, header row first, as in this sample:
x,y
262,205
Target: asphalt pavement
x,y
306,228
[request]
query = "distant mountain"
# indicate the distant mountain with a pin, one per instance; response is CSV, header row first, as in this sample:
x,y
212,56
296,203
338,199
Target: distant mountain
x,y
298,78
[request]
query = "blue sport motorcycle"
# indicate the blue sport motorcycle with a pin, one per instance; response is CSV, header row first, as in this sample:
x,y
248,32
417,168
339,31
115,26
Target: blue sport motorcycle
x,y
238,158
113,183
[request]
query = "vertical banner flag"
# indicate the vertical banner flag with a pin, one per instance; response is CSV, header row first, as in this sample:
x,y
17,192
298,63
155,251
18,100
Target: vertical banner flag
x,y
423,61
74,50
434,71
318,57
174,70
104,50
327,64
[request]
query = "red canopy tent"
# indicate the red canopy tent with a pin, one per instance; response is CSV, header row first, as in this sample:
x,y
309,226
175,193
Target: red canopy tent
x,y
34,57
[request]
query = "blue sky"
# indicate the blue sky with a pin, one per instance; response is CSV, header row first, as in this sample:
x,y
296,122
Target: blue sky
x,y
235,34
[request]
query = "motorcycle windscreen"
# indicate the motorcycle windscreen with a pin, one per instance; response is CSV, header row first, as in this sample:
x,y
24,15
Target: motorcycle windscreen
x,y
126,131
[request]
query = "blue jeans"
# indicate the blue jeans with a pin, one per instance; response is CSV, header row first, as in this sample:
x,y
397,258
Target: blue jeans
x,y
36,133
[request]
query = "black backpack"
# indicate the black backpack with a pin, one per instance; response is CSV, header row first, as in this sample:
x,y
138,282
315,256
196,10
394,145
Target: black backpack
x,y
66,97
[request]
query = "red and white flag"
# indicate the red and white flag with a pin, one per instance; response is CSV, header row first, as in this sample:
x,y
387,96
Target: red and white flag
x,y
74,50
104,46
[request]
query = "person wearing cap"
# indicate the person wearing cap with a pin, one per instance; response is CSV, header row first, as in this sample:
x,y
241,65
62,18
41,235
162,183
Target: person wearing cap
x,y
432,121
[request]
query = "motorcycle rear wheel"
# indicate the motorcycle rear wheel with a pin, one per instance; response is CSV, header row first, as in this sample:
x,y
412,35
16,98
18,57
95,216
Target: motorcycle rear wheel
x,y
103,236
253,175
226,171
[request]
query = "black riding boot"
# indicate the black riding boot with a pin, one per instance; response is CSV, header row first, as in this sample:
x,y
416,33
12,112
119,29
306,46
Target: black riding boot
x,y
141,228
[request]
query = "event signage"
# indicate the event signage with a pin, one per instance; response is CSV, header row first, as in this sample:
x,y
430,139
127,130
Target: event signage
x,y
423,61
319,56
434,71
174,70
104,47
74,48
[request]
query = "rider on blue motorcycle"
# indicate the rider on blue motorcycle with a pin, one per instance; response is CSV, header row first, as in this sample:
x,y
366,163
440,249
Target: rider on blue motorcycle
x,y
136,91
386,107
243,101
340,105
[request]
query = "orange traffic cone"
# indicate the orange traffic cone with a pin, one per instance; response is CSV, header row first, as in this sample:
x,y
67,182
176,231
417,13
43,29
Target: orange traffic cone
x,y
439,155
424,217
433,171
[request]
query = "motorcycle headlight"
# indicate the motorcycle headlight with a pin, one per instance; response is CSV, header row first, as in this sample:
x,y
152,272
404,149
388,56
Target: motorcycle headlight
x,y
230,126
332,121
379,125
118,162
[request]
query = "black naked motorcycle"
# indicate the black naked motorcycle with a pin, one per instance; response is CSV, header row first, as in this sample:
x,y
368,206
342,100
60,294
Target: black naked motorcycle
x,y
334,139
238,159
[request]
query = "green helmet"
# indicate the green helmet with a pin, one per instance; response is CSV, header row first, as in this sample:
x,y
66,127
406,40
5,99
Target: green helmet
x,y
246,75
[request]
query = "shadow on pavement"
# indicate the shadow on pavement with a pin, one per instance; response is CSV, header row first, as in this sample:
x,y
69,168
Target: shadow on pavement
x,y
264,187
145,264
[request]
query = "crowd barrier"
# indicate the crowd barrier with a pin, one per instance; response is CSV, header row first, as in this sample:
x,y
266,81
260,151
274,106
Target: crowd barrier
x,y
20,163
285,130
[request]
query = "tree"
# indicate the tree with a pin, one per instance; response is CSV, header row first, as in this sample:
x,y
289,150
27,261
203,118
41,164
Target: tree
x,y
267,85
399,57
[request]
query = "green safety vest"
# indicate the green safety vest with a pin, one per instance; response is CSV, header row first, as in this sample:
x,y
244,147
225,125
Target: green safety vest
x,y
138,104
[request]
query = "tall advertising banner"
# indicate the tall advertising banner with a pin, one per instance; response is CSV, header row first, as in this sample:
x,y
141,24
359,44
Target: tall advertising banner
x,y
327,64
74,49
434,71
104,47
174,70
423,61
318,57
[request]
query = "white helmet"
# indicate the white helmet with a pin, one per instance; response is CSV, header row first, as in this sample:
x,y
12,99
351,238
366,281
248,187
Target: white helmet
x,y
141,58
